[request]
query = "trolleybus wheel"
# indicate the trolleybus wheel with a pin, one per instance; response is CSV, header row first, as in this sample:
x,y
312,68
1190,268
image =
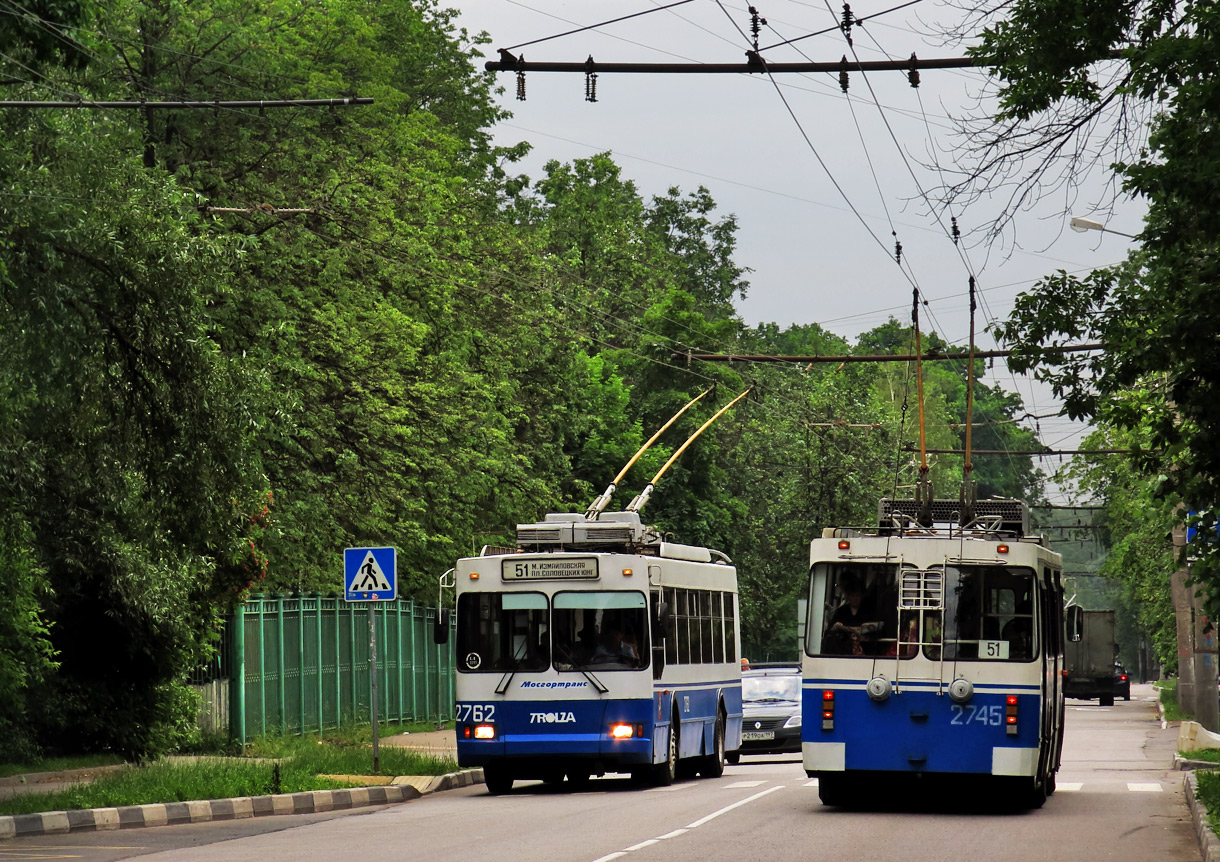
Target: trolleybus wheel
x,y
713,764
733,757
1106,700
663,774
498,779
834,789
579,779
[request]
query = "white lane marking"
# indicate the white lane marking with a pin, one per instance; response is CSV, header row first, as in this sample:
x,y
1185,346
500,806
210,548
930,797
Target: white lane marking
x,y
610,856
673,834
737,784
1137,787
729,808
813,783
1068,786
642,845
669,789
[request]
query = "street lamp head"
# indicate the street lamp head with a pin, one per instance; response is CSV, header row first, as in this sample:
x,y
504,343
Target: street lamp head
x,y
1080,225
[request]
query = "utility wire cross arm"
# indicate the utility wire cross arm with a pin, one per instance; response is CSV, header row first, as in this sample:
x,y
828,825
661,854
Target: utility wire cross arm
x,y
754,65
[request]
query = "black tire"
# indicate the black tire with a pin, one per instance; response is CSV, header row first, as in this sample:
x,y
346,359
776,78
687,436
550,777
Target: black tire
x,y
834,789
733,757
664,773
1050,785
713,764
1106,700
498,779
578,779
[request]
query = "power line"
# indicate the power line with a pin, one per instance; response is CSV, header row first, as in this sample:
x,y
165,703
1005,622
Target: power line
x,y
214,103
883,357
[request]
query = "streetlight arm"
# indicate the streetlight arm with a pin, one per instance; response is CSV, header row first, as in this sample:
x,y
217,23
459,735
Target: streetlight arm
x,y
1080,225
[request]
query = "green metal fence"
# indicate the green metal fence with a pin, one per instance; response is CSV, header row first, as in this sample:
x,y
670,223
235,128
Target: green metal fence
x,y
302,664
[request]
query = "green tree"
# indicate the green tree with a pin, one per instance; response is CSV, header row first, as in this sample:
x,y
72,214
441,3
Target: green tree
x,y
1155,312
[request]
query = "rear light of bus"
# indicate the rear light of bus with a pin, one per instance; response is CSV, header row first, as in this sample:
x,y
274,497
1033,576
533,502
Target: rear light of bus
x,y
844,545
1002,549
626,731
828,710
484,731
1010,714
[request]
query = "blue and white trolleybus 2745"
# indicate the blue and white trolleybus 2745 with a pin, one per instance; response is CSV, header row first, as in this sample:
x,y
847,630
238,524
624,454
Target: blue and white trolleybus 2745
x,y
934,649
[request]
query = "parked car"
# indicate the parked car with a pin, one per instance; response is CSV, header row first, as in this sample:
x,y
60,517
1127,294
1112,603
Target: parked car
x,y
771,704
1122,682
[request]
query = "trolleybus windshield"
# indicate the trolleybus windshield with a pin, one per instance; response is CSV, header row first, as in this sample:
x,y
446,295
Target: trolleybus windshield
x,y
955,613
600,630
500,632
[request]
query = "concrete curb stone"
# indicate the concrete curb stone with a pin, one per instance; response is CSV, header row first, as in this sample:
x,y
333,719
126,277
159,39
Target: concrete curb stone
x,y
1209,843
173,813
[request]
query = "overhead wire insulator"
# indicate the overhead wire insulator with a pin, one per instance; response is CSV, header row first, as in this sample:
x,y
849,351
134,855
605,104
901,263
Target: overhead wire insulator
x,y
848,20
913,73
757,22
590,81
843,80
897,252
520,86
957,234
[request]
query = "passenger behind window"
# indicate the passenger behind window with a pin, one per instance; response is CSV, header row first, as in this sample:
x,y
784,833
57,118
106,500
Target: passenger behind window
x,y
854,625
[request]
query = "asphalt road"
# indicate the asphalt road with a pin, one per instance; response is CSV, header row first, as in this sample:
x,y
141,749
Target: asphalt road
x,y
1119,799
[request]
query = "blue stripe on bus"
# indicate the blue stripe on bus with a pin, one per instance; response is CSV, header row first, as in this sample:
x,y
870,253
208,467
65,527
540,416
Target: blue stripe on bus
x,y
917,683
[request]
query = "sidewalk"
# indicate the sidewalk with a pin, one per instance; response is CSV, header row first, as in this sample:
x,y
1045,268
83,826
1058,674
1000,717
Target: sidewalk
x,y
438,743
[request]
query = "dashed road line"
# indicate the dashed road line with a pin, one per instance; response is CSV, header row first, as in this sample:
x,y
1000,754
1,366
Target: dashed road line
x,y
618,854
1138,787
1068,786
739,784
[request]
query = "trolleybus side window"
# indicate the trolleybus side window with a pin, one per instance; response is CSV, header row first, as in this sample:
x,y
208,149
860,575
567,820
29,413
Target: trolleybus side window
x,y
500,632
600,630
991,614
703,627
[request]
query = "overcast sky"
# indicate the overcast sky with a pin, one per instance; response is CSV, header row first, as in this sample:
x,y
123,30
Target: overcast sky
x,y
819,182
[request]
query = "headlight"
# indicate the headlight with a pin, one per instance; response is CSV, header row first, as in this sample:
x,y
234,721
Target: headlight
x,y
794,721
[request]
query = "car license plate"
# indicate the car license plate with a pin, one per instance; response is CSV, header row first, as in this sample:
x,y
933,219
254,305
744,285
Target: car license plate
x,y
757,735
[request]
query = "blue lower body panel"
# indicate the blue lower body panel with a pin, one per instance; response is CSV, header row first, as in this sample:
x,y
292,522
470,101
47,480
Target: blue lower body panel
x,y
918,730
536,739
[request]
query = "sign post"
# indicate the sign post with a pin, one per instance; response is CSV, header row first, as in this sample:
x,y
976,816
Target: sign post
x,y
371,575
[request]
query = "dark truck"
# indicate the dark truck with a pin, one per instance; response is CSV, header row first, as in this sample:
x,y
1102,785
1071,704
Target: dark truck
x,y
1089,659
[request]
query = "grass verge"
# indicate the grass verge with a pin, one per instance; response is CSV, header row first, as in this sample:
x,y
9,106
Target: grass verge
x,y
1169,699
1210,755
1208,793
298,763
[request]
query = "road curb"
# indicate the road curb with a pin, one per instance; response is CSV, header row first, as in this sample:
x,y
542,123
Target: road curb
x,y
174,813
1209,844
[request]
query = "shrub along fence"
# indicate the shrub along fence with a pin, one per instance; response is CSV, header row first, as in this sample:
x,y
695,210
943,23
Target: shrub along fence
x,y
297,665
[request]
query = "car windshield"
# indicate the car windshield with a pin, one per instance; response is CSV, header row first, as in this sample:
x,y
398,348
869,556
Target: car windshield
x,y
770,689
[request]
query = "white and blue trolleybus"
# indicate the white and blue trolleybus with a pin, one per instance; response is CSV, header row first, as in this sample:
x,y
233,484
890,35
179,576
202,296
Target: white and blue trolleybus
x,y
595,646
934,649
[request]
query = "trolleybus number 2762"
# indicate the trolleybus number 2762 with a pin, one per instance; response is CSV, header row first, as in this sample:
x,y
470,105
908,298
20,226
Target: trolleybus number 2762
x,y
476,712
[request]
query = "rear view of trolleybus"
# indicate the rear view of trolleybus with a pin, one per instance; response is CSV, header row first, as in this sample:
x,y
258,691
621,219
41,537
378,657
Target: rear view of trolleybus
x,y
933,650
594,646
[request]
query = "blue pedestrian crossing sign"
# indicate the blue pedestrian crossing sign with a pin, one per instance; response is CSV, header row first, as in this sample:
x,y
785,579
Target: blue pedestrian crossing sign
x,y
369,575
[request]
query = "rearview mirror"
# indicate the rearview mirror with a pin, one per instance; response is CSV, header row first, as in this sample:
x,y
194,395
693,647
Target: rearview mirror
x,y
440,628
1075,623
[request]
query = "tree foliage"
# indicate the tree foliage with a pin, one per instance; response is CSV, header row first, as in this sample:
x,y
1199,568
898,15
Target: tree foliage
x,y
204,395
1154,313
